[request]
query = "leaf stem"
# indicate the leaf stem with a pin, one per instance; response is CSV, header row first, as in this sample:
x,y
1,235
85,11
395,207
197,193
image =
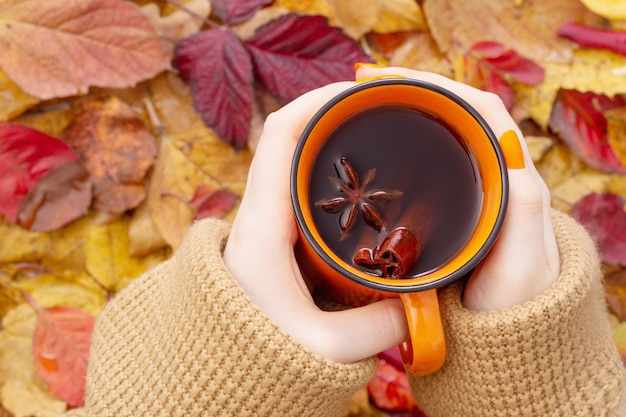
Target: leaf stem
x,y
181,6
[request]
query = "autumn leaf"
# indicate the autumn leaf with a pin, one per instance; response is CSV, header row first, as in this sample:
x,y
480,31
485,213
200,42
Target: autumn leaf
x,y
589,37
219,70
60,197
209,203
22,392
117,149
61,345
26,156
611,9
13,101
236,11
57,48
530,28
615,289
579,121
294,54
604,217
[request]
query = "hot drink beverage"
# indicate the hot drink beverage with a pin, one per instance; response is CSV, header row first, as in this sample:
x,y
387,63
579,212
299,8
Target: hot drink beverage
x,y
396,178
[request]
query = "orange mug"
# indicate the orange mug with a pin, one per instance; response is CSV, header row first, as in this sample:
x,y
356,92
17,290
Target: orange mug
x,y
399,187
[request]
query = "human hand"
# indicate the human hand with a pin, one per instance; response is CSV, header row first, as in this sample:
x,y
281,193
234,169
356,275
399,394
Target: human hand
x,y
524,261
259,252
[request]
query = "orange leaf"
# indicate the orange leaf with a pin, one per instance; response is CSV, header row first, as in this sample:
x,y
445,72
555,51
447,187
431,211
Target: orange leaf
x,y
61,347
57,48
118,149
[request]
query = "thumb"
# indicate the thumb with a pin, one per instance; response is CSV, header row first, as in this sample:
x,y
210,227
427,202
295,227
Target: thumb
x,y
359,333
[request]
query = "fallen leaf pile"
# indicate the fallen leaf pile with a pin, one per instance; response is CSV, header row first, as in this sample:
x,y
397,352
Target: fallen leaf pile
x,y
123,121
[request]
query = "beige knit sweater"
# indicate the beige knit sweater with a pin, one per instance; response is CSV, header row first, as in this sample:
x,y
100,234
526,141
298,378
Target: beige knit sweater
x,y
184,340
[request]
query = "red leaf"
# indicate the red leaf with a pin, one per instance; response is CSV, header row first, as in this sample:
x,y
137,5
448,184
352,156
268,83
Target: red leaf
x,y
579,121
588,37
604,217
294,54
219,70
61,346
58,48
60,197
211,203
389,390
236,11
499,59
26,156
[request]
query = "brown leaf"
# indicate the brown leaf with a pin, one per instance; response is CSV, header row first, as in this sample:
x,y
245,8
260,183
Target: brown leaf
x,y
59,198
529,28
26,156
61,347
117,148
57,48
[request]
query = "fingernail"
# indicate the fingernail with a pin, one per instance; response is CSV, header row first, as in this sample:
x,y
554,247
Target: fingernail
x,y
512,149
360,65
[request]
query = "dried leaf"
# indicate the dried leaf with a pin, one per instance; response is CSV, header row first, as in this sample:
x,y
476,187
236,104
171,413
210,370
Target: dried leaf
x,y
309,8
57,49
118,149
13,101
218,68
236,11
604,217
209,203
496,57
177,24
60,197
143,234
294,54
107,256
529,28
567,193
61,345
26,156
596,71
616,131
420,51
611,9
21,391
619,333
186,161
579,121
358,17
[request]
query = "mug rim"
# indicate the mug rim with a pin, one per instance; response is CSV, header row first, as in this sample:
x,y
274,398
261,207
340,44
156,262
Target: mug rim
x,y
437,283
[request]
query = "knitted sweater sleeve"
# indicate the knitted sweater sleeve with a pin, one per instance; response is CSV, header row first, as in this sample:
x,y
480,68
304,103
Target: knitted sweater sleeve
x,y
184,340
552,356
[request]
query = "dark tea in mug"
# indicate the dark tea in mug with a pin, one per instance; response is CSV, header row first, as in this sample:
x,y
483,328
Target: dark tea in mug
x,y
389,167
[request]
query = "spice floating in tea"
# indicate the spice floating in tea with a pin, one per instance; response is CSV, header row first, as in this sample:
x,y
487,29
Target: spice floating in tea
x,y
355,197
395,257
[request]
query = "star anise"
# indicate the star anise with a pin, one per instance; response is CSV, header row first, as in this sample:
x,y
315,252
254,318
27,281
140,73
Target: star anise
x,y
356,198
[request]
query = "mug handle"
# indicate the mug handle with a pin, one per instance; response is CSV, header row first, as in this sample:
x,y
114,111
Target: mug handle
x,y
425,351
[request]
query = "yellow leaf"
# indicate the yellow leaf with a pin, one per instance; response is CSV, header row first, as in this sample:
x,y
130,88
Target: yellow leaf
x,y
420,51
107,256
617,185
308,7
594,70
616,131
186,161
13,101
171,98
66,288
52,119
619,333
246,29
611,9
538,146
173,23
529,28
22,392
358,17
143,234
575,187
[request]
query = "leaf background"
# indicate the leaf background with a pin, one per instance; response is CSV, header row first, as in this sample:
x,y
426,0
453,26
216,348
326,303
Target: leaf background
x,y
85,262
